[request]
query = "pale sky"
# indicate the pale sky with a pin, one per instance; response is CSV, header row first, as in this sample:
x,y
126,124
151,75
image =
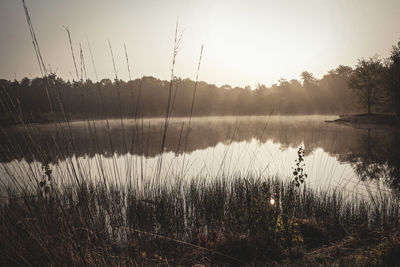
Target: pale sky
x,y
245,42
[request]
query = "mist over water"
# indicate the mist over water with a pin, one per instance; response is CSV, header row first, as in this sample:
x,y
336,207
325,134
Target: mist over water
x,y
360,162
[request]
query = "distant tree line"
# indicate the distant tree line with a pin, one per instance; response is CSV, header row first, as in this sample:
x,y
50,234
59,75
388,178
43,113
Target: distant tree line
x,y
375,85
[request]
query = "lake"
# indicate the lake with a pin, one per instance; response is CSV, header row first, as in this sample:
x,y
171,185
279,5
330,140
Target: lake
x,y
362,162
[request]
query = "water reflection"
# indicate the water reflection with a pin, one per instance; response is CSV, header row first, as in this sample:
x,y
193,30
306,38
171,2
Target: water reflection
x,y
336,155
144,137
375,156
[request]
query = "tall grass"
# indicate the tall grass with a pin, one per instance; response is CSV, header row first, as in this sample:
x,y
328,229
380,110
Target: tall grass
x,y
233,217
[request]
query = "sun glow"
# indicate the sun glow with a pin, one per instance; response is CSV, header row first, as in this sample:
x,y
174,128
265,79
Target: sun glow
x,y
245,42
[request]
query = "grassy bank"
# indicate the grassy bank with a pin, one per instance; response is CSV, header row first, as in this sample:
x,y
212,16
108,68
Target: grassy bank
x,y
373,119
235,221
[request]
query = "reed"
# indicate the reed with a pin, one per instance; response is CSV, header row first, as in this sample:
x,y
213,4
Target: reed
x,y
233,218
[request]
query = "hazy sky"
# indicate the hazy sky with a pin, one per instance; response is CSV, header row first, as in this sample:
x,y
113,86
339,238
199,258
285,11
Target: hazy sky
x,y
245,42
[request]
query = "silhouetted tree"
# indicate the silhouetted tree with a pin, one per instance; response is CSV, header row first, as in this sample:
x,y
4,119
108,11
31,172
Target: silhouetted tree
x,y
308,78
394,78
367,81
344,71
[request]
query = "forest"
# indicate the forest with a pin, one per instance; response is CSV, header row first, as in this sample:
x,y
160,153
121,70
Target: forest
x,y
372,85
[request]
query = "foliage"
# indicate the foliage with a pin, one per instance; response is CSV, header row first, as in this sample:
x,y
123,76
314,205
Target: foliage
x,y
100,99
298,172
99,225
367,80
393,82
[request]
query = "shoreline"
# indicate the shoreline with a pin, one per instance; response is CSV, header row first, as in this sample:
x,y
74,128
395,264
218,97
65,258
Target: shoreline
x,y
368,120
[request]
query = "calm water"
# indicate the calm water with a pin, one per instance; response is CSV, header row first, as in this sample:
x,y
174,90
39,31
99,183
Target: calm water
x,y
364,162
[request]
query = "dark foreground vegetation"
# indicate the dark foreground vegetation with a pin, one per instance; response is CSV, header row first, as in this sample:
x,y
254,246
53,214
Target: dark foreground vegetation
x,y
226,221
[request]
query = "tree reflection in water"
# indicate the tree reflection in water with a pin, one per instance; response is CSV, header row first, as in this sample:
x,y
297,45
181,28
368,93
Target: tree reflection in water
x,y
373,153
375,156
